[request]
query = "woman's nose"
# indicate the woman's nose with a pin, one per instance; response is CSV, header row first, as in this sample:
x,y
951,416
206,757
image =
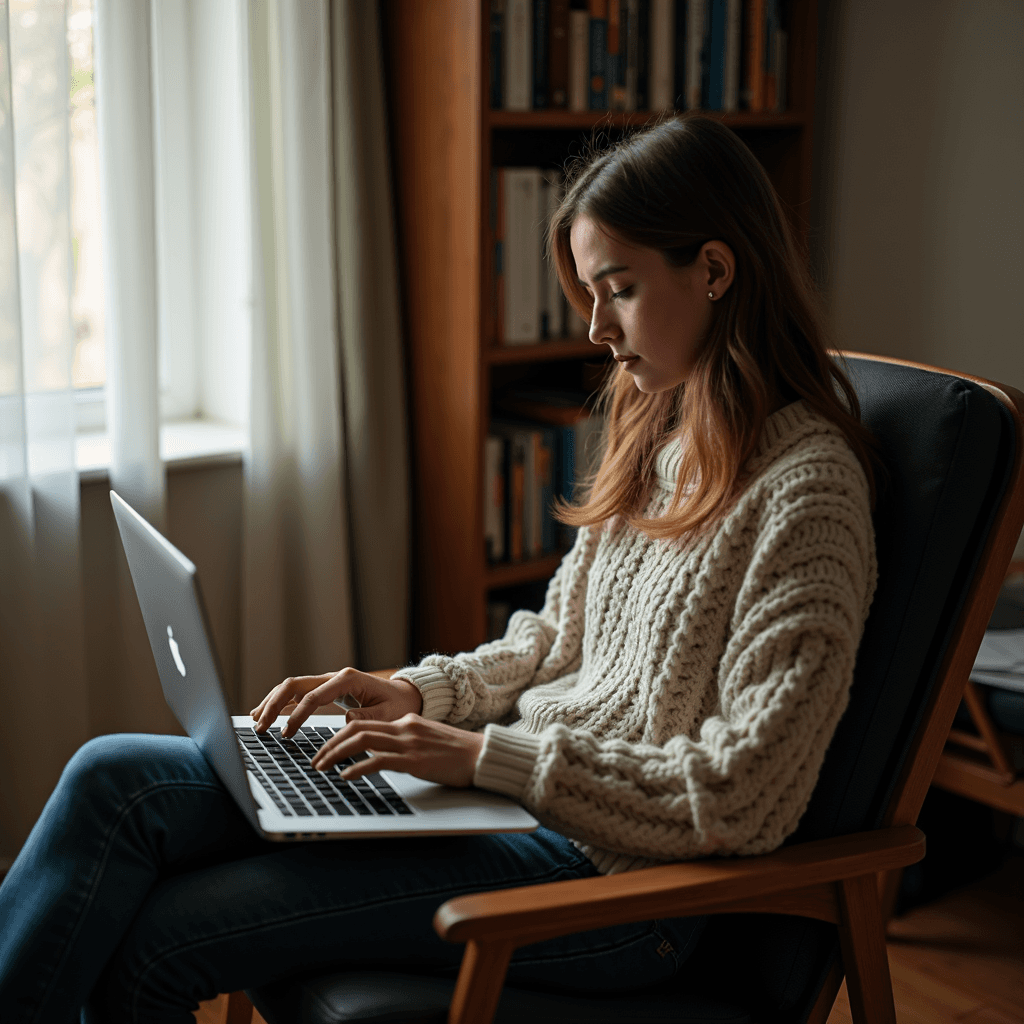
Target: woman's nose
x,y
602,327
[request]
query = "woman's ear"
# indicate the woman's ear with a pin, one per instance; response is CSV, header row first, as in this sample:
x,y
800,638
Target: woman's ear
x,y
718,267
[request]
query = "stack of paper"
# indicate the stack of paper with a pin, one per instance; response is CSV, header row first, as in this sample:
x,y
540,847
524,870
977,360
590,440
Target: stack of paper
x,y
1000,660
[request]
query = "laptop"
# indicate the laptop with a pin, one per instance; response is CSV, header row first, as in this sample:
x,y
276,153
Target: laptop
x,y
271,778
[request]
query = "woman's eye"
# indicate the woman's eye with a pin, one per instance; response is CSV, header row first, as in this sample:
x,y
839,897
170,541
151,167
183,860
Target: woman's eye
x,y
625,291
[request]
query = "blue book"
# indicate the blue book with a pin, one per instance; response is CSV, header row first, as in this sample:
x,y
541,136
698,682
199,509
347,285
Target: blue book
x,y
712,78
540,54
598,48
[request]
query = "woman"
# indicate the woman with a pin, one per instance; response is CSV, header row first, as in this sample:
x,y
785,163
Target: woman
x,y
674,698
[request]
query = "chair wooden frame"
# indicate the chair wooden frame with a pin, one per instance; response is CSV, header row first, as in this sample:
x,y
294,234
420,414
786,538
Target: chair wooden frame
x,y
979,767
849,880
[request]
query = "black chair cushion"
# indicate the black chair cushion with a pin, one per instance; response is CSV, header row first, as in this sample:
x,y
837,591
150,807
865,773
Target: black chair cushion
x,y
947,447
379,997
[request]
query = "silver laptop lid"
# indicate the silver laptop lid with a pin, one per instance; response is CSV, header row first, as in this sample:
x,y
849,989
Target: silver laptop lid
x,y
172,608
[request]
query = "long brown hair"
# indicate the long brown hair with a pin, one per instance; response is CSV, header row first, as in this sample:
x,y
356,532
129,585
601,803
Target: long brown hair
x,y
672,187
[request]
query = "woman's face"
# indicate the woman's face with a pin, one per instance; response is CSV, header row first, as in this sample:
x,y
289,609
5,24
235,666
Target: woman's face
x,y
652,315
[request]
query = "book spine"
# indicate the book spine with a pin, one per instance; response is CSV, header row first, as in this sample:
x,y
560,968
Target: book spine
x,y
694,45
517,497
771,23
631,20
681,56
541,11
755,55
614,71
498,233
662,72
497,52
731,64
494,498
545,481
521,254
643,54
713,56
531,498
598,47
518,66
781,70
555,304
558,54
579,59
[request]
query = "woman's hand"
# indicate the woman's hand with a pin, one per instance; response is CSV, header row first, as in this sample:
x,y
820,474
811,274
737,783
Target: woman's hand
x,y
429,750
381,699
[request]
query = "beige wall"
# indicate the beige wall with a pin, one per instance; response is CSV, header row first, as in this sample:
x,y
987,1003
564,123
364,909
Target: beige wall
x,y
923,180
920,137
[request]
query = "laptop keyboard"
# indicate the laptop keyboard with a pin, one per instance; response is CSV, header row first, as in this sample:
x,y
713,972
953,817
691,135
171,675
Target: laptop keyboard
x,y
298,789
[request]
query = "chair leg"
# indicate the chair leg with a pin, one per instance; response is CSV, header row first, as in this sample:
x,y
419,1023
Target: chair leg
x,y
481,978
240,1009
862,938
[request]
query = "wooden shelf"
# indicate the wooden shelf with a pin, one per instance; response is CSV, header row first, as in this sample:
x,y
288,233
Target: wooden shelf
x,y
582,119
545,351
446,142
511,574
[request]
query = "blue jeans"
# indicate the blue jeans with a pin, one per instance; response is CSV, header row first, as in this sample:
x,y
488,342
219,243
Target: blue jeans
x,y
142,890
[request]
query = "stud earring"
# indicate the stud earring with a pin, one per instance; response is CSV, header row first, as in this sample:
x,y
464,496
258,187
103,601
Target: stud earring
x,y
711,296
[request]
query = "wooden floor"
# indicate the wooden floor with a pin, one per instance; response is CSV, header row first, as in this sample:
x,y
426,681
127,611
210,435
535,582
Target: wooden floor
x,y
959,960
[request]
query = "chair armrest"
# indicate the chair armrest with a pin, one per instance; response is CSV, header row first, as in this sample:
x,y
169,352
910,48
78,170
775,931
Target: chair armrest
x,y
537,912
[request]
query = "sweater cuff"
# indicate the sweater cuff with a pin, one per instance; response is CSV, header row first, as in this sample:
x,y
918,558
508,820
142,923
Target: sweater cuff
x,y
435,687
506,761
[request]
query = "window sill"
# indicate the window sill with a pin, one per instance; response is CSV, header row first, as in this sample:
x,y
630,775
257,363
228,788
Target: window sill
x,y
188,444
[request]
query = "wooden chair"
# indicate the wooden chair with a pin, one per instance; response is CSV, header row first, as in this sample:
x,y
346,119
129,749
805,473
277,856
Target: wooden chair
x,y
981,765
787,925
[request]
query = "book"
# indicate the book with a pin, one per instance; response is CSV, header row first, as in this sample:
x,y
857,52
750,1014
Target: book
x,y
754,63
497,53
541,10
497,310
614,57
642,36
494,498
662,69
682,28
695,33
521,251
731,64
518,76
598,47
579,57
558,54
552,318
713,56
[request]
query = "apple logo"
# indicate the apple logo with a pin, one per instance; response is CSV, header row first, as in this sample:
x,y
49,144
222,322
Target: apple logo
x,y
174,650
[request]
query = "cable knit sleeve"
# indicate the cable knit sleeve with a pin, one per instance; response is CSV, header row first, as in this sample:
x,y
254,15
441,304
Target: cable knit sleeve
x,y
770,612
482,686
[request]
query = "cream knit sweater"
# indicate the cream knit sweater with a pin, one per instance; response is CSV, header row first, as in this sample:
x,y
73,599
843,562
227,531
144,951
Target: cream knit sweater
x,y
671,702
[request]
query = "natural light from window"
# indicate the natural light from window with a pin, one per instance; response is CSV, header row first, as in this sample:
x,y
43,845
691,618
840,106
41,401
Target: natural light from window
x,y
88,370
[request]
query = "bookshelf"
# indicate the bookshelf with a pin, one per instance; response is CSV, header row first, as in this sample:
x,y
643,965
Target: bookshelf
x,y
445,140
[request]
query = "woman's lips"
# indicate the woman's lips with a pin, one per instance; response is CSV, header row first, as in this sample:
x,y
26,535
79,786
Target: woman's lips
x,y
626,360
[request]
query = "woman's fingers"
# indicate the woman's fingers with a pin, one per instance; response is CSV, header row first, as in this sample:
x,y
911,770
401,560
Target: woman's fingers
x,y
283,696
430,750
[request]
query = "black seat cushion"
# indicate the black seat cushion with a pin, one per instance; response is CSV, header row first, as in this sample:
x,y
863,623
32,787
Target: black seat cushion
x,y
387,998
948,446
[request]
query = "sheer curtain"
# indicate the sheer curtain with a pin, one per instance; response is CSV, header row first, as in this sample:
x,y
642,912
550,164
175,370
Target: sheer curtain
x,y
42,661
246,204
327,521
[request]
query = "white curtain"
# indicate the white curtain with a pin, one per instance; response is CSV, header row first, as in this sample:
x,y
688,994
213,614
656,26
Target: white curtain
x,y
327,518
42,660
246,204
